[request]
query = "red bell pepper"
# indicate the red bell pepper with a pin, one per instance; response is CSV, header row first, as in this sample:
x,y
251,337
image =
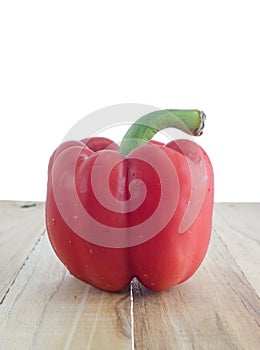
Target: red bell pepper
x,y
142,210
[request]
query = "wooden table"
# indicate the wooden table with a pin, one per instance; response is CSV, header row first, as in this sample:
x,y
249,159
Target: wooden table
x,y
43,307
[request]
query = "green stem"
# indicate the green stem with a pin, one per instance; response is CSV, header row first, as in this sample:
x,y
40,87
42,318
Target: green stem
x,y
190,121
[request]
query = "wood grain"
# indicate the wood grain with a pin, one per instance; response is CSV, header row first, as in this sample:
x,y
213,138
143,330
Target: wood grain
x,y
46,308
43,307
21,225
217,308
73,315
238,226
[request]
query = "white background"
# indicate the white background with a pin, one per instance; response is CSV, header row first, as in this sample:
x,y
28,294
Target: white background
x,y
61,60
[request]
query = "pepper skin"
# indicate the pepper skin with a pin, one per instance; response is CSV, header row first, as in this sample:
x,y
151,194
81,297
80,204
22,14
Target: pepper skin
x,y
177,190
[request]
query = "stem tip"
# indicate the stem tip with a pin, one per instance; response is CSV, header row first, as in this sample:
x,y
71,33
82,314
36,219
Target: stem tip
x,y
202,124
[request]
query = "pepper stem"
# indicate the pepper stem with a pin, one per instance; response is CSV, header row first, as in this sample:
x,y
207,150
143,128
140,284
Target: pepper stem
x,y
190,121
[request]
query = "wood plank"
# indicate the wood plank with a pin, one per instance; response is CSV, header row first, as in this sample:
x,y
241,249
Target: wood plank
x,y
46,308
216,309
21,225
238,225
43,307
